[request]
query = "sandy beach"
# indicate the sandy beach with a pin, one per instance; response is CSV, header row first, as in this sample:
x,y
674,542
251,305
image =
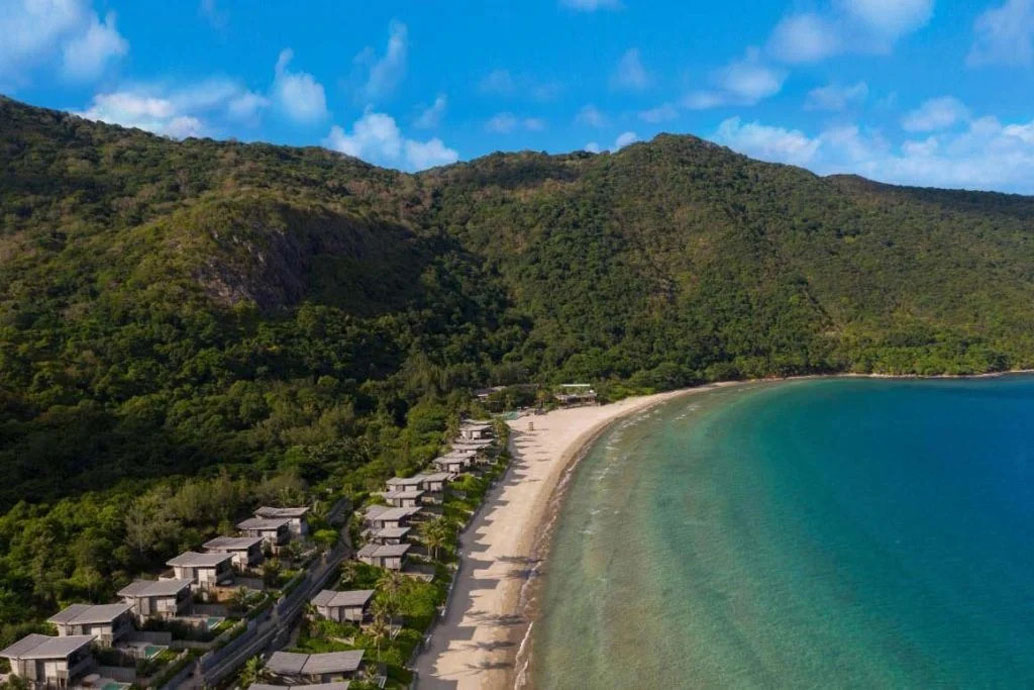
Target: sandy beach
x,y
477,643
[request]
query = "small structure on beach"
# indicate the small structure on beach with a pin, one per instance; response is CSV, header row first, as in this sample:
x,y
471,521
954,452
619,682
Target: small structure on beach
x,y
314,668
576,394
106,623
343,607
50,662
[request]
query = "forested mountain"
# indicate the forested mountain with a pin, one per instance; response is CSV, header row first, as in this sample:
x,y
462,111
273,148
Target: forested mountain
x,y
174,308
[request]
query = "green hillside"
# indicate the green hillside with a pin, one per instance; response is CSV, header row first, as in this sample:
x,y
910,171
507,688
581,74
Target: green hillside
x,y
293,315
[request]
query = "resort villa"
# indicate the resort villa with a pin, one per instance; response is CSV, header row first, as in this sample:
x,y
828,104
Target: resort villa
x,y
106,623
299,525
158,599
434,483
205,570
389,556
246,551
475,430
340,685
387,535
454,462
379,517
273,531
576,394
301,669
403,498
50,662
343,606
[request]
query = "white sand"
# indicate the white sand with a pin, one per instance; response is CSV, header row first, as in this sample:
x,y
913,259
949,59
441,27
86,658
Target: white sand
x,y
476,644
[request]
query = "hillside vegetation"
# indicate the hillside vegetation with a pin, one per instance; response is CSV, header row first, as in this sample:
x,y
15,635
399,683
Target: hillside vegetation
x,y
253,313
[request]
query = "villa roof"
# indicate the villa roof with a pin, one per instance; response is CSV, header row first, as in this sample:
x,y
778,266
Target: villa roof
x,y
356,597
154,588
435,476
405,481
271,512
232,543
263,524
294,664
403,493
384,550
390,514
85,614
390,532
340,685
36,646
193,559
473,424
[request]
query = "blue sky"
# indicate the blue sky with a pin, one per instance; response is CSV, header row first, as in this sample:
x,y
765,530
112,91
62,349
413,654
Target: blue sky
x,y
927,92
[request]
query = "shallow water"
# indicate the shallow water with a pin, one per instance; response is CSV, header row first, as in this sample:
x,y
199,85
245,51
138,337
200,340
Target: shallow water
x,y
845,532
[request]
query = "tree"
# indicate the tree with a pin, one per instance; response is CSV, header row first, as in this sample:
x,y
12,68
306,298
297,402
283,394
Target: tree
x,y
252,672
239,599
392,583
326,539
436,533
379,628
349,571
271,572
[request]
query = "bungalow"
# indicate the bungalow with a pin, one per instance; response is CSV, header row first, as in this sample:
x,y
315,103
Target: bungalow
x,y
454,462
107,623
299,524
158,599
400,483
390,556
314,668
379,517
274,531
576,394
434,483
475,430
387,535
246,551
50,662
205,570
403,498
340,685
343,606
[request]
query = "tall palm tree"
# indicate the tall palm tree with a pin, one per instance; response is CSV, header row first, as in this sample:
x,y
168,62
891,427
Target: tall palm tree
x,y
392,582
349,571
379,629
436,534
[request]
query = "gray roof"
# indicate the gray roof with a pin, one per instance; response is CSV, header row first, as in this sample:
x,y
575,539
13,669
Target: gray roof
x,y
435,476
472,442
474,424
193,559
356,597
390,514
270,512
154,588
403,493
232,543
383,550
405,481
340,685
85,614
293,664
263,524
391,532
36,646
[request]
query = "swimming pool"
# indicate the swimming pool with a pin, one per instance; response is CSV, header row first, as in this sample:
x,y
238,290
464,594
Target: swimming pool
x,y
212,621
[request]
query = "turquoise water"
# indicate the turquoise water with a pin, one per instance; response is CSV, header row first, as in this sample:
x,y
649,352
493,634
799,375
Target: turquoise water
x,y
844,533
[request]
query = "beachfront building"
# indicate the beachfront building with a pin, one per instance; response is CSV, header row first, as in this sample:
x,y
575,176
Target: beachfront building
x,y
299,524
454,462
389,556
246,551
50,662
403,498
300,669
387,535
576,394
106,623
404,483
433,483
379,517
343,606
472,430
158,599
205,570
275,532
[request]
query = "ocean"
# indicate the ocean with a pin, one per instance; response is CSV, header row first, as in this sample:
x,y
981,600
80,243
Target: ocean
x,y
814,533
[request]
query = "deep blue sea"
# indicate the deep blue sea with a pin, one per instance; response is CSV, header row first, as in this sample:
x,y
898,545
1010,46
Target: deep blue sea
x,y
818,533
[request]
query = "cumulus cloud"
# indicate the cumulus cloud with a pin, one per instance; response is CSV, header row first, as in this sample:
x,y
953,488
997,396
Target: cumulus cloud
x,y
501,82
935,114
65,34
622,140
376,138
836,96
662,113
504,123
591,116
387,71
591,5
630,75
431,116
984,155
1004,35
198,110
298,94
847,26
742,82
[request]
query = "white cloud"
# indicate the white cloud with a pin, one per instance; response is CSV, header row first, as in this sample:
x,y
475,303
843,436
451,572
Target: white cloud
x,y
386,72
591,116
662,113
847,26
630,75
432,116
501,82
624,139
985,155
590,5
836,97
86,56
63,34
592,147
935,114
298,94
1004,35
200,109
376,138
504,123
742,82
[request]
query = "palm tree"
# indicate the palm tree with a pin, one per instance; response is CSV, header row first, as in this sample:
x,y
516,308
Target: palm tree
x,y
436,534
379,629
349,571
252,672
239,599
392,582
